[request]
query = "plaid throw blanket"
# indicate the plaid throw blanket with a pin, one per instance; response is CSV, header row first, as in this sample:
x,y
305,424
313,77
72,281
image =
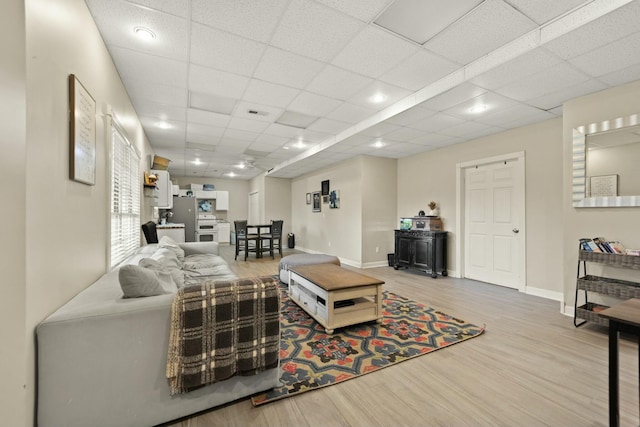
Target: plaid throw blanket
x,y
222,329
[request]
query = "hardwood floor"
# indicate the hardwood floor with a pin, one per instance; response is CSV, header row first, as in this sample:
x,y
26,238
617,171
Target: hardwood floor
x,y
531,367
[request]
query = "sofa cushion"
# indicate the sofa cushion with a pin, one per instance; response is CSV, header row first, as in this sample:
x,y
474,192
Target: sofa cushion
x,y
195,262
137,281
168,243
176,274
167,258
219,272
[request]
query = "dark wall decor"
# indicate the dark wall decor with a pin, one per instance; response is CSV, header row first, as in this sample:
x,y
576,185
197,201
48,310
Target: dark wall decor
x,y
325,188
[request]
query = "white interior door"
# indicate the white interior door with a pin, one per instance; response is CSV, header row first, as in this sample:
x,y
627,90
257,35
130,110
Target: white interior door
x,y
494,224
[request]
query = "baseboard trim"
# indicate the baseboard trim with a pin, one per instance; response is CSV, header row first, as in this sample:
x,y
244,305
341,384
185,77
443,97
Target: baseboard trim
x,y
544,293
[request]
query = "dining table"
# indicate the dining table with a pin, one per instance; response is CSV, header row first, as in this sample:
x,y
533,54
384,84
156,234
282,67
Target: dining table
x,y
259,230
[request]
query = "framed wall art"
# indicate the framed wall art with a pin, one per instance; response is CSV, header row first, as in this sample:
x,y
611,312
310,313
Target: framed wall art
x,y
325,188
308,198
334,199
316,202
82,133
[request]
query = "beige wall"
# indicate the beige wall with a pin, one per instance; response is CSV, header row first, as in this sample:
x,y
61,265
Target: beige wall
x,y
61,224
277,203
432,176
347,232
612,223
379,208
16,346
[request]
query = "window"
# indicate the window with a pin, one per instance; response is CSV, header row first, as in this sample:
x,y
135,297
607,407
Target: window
x,y
125,196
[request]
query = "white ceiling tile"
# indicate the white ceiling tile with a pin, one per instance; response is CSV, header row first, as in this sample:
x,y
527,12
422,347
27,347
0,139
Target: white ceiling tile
x,y
203,139
610,58
381,129
117,19
489,26
256,20
283,131
492,101
174,7
240,123
389,93
156,92
419,70
223,51
542,11
133,65
337,83
270,93
505,117
519,68
453,97
405,134
313,105
625,75
350,113
207,118
552,79
364,10
286,68
266,113
616,25
566,93
528,119
373,52
221,83
271,139
240,135
200,129
410,116
314,30
437,122
159,111
466,129
329,126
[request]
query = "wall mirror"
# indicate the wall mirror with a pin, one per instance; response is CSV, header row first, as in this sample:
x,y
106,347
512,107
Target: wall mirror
x,y
605,170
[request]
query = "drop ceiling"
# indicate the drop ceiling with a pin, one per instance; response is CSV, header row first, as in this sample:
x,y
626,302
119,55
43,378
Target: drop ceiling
x,y
285,87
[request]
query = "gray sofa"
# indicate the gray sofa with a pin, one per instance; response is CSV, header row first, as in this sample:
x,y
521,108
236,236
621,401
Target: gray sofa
x,y
101,358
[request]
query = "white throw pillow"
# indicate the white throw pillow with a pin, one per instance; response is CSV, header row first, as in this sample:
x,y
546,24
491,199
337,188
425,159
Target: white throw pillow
x,y
176,273
167,258
137,281
169,243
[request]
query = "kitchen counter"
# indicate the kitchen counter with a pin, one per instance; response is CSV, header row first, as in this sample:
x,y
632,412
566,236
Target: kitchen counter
x,y
175,230
170,225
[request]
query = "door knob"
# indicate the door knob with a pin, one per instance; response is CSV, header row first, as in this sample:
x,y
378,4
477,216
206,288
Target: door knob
x,y
515,230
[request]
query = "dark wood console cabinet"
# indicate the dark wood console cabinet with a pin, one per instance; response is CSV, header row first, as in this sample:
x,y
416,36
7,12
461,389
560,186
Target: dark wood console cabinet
x,y
421,250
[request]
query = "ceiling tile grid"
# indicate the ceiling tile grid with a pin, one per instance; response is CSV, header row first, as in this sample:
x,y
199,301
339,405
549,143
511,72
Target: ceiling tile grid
x,y
329,60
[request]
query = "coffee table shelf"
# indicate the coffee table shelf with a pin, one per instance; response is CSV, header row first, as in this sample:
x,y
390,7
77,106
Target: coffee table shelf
x,y
317,289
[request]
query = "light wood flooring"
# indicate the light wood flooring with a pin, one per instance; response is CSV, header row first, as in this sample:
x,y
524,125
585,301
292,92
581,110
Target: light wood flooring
x,y
531,367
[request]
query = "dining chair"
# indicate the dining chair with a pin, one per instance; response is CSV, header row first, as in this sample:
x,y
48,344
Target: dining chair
x,y
274,237
243,238
150,232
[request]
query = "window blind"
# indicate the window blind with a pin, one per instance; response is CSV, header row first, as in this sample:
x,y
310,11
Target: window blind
x,y
125,196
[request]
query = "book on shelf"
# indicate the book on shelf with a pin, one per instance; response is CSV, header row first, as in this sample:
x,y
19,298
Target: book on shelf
x,y
589,245
618,247
602,244
634,252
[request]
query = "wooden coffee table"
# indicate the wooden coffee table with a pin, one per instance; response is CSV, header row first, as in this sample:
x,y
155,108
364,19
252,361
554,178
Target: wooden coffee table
x,y
334,296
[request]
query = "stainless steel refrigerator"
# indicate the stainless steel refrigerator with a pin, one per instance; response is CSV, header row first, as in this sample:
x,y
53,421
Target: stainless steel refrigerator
x,y
185,210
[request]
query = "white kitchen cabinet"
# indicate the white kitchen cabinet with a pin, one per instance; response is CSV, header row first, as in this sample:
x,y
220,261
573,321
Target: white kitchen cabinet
x,y
222,200
224,232
165,190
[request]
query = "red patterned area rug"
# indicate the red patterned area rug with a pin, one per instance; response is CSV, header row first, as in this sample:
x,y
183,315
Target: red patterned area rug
x,y
311,359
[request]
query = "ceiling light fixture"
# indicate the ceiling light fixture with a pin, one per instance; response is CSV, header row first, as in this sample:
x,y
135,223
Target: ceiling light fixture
x,y
479,108
378,144
197,162
378,98
231,174
144,33
241,165
163,125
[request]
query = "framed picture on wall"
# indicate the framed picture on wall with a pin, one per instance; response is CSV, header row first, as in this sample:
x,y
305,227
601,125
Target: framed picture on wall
x,y
325,188
82,133
308,198
316,202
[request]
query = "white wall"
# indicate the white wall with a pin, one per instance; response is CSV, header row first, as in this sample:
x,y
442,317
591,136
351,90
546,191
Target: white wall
x,y
612,223
15,405
432,176
277,203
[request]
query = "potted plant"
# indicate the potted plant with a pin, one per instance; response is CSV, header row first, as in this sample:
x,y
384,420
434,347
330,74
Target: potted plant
x,y
433,211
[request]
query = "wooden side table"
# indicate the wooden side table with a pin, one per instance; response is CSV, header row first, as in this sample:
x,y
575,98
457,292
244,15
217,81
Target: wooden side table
x,y
623,317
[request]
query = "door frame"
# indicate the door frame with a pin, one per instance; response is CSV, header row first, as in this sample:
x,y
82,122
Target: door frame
x,y
519,169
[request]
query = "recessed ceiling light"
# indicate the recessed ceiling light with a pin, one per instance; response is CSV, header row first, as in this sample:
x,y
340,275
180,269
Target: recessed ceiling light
x,y
478,108
144,33
197,162
378,144
300,144
163,125
241,165
231,174
378,98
